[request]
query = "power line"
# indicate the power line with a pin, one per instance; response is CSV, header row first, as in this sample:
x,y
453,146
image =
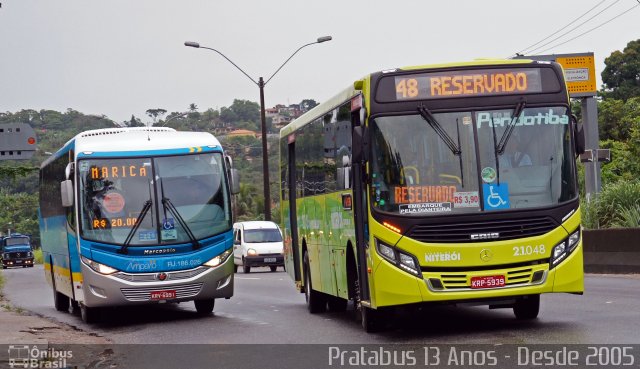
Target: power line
x,y
554,33
573,29
592,29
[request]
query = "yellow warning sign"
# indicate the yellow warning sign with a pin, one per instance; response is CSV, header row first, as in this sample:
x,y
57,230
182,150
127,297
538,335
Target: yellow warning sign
x,y
580,74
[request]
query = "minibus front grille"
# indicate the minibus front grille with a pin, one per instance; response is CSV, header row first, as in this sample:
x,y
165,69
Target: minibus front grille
x,y
153,277
138,294
494,230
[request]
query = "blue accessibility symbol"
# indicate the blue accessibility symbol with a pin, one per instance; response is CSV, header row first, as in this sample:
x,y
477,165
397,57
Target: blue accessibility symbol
x,y
496,196
168,223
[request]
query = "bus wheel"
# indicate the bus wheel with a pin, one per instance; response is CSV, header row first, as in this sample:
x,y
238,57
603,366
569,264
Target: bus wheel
x,y
273,267
337,304
527,308
60,300
371,319
315,300
204,307
74,307
89,315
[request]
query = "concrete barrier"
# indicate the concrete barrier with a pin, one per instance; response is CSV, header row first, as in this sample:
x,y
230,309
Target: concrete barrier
x,y
612,250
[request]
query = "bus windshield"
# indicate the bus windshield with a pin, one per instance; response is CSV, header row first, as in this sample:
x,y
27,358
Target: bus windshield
x,y
416,172
117,194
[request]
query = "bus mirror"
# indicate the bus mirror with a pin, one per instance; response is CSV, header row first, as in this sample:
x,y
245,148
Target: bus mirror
x,y
579,137
235,181
346,161
344,178
66,193
68,171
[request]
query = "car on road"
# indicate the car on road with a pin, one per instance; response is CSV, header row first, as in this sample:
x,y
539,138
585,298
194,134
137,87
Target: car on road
x,y
16,251
256,244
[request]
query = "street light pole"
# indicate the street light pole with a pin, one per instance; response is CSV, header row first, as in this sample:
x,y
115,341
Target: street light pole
x,y
263,120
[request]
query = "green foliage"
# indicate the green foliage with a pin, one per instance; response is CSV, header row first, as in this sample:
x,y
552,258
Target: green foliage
x,y
37,256
615,206
617,118
621,75
629,217
19,212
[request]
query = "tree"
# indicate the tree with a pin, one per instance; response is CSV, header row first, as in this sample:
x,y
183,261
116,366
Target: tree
x,y
134,122
308,104
621,75
155,113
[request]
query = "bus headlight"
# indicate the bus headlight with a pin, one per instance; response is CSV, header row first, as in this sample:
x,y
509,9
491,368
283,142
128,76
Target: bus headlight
x,y
564,248
400,259
100,268
218,259
252,252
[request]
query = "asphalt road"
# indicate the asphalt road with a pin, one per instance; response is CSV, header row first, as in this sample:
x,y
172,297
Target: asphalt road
x,y
267,309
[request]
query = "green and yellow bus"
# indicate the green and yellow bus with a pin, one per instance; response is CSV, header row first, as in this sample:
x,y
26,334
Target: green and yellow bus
x,y
453,183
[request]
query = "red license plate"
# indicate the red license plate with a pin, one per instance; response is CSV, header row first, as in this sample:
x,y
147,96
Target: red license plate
x,y
490,281
163,295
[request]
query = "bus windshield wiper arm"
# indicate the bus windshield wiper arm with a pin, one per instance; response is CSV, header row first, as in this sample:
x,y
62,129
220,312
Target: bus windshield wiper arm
x,y
507,133
172,209
143,213
426,115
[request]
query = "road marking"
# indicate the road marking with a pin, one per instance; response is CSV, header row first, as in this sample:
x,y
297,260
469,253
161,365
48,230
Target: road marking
x,y
246,278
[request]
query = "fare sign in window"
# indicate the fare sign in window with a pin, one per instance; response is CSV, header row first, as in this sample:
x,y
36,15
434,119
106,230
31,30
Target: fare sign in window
x,y
486,82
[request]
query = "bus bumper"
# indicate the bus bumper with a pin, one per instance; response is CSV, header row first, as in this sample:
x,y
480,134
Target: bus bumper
x,y
201,283
392,286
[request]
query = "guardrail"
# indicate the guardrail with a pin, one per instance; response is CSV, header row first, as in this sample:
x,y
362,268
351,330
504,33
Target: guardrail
x,y
612,250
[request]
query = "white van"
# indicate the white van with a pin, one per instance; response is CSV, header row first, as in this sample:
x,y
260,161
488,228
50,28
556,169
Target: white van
x,y
257,243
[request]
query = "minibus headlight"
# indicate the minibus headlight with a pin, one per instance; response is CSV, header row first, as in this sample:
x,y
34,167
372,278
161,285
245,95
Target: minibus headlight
x,y
559,252
218,259
573,240
401,259
252,252
387,252
100,268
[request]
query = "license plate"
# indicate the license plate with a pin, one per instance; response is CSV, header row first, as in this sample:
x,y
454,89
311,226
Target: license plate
x,y
18,261
270,260
163,295
491,281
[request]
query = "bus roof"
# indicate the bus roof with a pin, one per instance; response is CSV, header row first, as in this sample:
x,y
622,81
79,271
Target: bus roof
x,y
138,139
350,91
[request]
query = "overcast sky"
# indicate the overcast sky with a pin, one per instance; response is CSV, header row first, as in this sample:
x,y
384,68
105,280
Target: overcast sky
x,y
122,57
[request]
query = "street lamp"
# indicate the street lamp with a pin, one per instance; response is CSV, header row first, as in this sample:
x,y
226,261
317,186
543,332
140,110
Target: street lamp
x,y
261,83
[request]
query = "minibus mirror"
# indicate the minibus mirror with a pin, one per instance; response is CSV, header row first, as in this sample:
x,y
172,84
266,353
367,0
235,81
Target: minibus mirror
x,y
68,171
66,193
578,133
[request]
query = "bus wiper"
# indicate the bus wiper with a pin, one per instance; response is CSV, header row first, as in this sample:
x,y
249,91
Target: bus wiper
x,y
426,115
167,204
143,213
172,209
507,133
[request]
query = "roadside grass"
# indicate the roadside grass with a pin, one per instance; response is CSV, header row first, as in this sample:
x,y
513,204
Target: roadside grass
x,y
37,256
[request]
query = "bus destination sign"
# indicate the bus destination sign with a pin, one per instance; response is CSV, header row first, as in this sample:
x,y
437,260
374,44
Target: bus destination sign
x,y
466,83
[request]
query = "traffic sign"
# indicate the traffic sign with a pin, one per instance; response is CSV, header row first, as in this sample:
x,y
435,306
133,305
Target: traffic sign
x,y
17,141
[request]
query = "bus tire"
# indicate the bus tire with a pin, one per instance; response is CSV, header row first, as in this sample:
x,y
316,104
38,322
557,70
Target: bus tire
x,y
337,304
316,302
60,300
273,267
527,307
371,319
235,268
246,269
204,307
89,315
